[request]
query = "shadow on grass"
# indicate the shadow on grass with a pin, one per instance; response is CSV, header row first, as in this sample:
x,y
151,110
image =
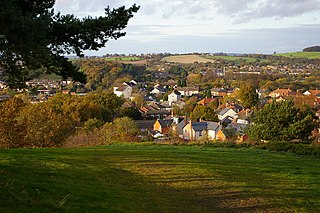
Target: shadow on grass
x,y
155,179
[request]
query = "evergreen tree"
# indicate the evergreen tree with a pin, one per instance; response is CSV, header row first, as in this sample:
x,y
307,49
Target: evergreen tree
x,y
281,121
33,39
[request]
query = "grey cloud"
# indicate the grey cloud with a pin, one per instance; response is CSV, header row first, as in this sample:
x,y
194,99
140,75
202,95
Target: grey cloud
x,y
245,10
280,9
241,41
87,7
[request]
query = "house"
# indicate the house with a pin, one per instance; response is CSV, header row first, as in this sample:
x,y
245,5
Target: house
x,y
195,130
174,97
213,129
312,92
188,91
123,90
280,93
233,131
163,126
158,89
227,112
207,101
178,124
221,92
244,116
154,110
145,125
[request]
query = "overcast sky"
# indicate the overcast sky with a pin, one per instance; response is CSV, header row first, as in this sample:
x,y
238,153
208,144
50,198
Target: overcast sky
x,y
230,26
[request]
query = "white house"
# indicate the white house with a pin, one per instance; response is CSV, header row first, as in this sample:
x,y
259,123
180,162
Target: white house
x,y
244,116
195,130
158,90
174,97
123,90
227,112
213,128
188,91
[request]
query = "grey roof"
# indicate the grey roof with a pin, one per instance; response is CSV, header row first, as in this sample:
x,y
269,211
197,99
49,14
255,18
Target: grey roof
x,y
165,123
225,110
213,125
182,123
199,126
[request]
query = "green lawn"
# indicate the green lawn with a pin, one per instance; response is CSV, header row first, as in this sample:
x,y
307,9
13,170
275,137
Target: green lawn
x,y
157,178
310,55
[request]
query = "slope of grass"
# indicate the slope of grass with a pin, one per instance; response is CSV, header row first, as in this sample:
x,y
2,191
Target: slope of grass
x,y
157,178
309,55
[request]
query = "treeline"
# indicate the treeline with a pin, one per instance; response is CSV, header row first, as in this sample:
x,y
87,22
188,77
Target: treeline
x,y
102,74
53,123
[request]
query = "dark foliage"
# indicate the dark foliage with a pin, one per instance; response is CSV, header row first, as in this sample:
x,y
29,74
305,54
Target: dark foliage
x,y
33,38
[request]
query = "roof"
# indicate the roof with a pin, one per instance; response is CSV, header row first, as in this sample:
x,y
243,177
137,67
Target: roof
x,y
314,92
165,123
213,125
194,88
121,88
206,101
245,114
225,110
199,126
144,124
176,92
281,91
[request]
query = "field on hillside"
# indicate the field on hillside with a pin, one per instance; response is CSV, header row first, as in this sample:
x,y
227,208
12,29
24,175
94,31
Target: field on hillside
x,y
157,178
125,58
186,59
310,55
235,58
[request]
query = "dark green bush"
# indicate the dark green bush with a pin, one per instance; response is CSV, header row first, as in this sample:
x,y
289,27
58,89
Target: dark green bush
x,y
296,148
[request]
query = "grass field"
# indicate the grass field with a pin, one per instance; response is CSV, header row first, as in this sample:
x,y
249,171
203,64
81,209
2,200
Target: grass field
x,y
236,58
310,55
123,59
157,178
186,59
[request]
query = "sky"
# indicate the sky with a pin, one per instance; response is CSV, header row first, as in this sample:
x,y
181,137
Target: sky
x,y
208,26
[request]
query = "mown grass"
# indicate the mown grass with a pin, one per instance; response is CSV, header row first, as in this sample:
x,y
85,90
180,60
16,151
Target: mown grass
x,y
157,178
309,55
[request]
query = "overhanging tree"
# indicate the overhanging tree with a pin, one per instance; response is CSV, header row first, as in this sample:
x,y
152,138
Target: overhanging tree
x,y
33,39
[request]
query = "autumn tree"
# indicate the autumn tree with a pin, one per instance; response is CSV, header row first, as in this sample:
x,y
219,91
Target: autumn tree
x,y
33,38
11,132
248,96
44,127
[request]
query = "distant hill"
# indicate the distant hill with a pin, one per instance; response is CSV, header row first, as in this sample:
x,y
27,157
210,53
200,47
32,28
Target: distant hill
x,y
312,49
309,55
